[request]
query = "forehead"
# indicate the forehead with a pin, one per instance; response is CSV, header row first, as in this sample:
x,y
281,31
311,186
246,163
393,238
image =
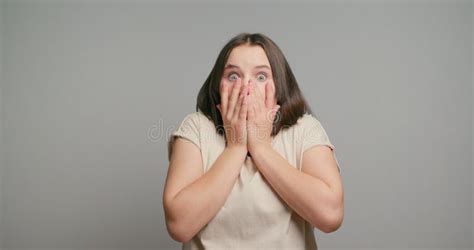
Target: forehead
x,y
246,55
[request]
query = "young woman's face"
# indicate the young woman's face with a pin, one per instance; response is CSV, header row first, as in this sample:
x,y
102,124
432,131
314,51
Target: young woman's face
x,y
249,63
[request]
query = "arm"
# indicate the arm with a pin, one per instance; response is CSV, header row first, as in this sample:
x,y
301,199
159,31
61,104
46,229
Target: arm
x,y
191,199
315,193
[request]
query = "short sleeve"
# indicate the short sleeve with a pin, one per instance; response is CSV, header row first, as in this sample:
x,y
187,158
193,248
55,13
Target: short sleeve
x,y
315,134
187,129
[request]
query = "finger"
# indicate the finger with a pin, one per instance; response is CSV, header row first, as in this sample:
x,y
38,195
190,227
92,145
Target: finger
x,y
269,95
238,106
252,99
250,109
244,108
259,101
233,97
224,97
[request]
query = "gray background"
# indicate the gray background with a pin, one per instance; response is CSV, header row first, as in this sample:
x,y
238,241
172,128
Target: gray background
x,y
90,90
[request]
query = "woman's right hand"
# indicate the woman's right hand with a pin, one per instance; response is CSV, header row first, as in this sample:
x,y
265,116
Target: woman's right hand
x,y
233,108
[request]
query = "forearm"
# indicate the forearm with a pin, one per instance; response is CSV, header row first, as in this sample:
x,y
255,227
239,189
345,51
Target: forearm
x,y
194,206
307,195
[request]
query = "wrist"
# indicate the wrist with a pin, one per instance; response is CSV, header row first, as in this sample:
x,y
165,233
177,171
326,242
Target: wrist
x,y
258,149
241,149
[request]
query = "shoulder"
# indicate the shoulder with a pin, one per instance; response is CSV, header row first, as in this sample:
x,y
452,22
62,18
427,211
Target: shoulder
x,y
310,128
194,118
196,121
307,121
189,128
301,124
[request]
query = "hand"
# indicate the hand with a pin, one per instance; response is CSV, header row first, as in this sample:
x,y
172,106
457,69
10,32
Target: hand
x,y
233,108
261,114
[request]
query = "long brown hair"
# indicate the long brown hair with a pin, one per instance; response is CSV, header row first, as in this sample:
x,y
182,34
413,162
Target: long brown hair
x,y
288,95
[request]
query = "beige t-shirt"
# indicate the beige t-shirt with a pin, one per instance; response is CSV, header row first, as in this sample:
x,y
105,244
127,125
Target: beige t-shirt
x,y
254,216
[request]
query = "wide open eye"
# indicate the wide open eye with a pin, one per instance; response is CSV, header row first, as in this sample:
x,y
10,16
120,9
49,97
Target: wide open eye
x,y
262,77
232,76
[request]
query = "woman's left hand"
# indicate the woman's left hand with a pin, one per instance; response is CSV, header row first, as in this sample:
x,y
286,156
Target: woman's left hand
x,y
262,109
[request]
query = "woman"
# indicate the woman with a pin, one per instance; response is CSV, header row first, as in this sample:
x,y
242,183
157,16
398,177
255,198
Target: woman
x,y
252,168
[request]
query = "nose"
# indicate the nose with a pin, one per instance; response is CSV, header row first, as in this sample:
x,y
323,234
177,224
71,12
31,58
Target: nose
x,y
247,81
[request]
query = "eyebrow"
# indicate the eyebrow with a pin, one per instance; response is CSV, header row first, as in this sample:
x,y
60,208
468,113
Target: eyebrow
x,y
228,66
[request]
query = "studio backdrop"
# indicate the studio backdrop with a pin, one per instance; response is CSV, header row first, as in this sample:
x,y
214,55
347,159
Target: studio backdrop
x,y
91,90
